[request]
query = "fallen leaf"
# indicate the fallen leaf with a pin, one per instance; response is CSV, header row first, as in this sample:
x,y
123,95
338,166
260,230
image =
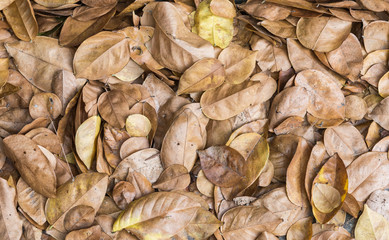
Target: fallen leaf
x,y
238,62
378,202
248,222
31,162
173,45
87,189
375,36
41,60
322,34
21,17
213,21
79,217
205,74
10,222
229,100
174,177
138,125
45,105
346,141
371,225
123,193
132,145
86,140
222,165
301,230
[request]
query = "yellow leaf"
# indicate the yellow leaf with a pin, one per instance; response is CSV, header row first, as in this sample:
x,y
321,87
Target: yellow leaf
x,y
86,139
371,226
214,28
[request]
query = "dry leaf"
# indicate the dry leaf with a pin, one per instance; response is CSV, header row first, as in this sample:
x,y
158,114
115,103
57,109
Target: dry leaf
x,y
79,217
174,177
301,230
205,74
322,34
86,189
222,165
31,162
10,222
101,55
20,16
229,100
371,225
41,60
213,21
45,105
378,202
375,36
247,222
333,174
86,140
173,45
239,63
367,173
123,193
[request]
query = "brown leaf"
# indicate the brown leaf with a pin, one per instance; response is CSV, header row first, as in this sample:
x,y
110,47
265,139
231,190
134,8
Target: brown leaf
x,y
74,32
86,189
205,74
141,184
123,193
316,160
132,145
295,174
351,65
32,203
322,34
282,149
173,45
346,141
183,207
239,63
247,222
174,177
10,222
31,162
79,217
204,185
182,140
101,55
292,101
86,13
20,16
371,225
270,11
301,230
270,57
302,58
229,100
39,61
378,202
146,162
284,209
93,232
334,176
356,107
375,36
222,165
326,99
45,105
380,112
367,173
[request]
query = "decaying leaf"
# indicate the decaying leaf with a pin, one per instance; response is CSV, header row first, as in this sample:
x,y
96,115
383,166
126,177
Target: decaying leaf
x,y
371,225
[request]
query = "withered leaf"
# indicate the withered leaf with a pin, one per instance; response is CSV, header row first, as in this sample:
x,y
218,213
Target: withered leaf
x,y
346,141
371,225
205,74
86,189
181,206
375,36
300,230
114,107
101,55
21,17
322,34
380,112
247,222
239,63
123,193
182,140
222,165
31,162
54,3
78,217
174,177
173,45
45,105
10,222
229,100
39,61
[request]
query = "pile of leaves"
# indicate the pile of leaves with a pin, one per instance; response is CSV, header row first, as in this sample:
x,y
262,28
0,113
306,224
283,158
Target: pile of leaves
x,y
194,119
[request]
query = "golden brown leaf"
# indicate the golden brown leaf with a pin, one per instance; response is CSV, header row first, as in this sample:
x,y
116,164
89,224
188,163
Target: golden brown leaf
x,y
87,189
371,225
79,217
300,230
123,193
45,105
31,162
101,55
20,16
375,36
174,177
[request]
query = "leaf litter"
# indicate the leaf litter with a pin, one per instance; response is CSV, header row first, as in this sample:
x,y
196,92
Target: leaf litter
x,y
193,119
